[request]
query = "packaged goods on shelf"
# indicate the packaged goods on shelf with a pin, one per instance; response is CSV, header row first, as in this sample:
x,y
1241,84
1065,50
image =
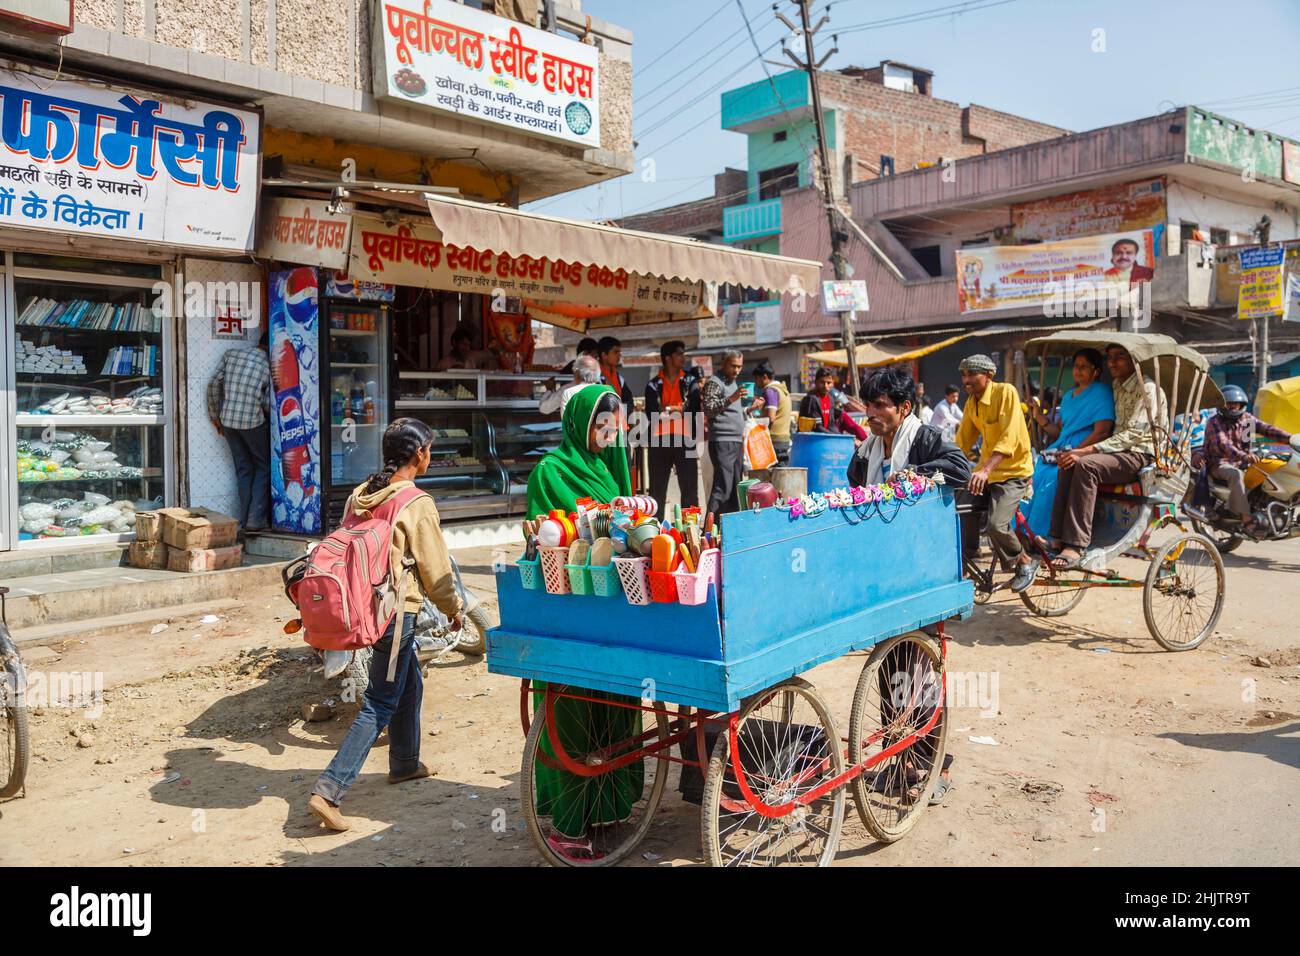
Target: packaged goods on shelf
x,y
46,359
145,400
131,360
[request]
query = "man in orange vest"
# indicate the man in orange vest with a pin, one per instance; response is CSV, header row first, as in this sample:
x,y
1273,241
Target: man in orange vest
x,y
674,396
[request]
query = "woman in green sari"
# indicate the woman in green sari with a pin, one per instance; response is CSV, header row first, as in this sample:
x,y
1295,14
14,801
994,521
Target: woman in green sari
x,y
591,462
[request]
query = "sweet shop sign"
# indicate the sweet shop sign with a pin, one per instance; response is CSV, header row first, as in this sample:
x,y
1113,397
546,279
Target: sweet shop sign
x,y
455,59
414,255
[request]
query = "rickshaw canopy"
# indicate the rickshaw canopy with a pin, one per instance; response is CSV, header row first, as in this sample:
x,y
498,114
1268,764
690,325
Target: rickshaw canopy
x,y
1150,350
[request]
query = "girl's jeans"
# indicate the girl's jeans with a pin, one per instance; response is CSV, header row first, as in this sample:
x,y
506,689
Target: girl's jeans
x,y
394,705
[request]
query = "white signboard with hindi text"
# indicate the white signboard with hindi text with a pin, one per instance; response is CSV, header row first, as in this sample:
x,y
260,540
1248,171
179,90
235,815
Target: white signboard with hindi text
x,y
304,232
455,59
94,160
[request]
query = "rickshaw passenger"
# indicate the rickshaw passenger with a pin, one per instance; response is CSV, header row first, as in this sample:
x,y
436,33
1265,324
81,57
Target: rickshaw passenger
x,y
1006,463
1114,460
1086,415
1227,448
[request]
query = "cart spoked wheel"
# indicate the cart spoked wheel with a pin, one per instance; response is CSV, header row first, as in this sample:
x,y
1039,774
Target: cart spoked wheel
x,y
774,754
1183,596
591,800
1051,596
898,706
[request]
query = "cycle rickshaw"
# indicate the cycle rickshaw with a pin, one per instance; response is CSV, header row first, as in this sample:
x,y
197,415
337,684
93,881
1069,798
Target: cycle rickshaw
x,y
1183,588
617,698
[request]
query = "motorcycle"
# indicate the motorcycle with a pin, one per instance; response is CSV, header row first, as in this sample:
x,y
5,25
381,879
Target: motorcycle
x,y
1273,495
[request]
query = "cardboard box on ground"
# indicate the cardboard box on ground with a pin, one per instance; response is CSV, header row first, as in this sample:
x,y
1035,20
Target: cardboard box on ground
x,y
185,539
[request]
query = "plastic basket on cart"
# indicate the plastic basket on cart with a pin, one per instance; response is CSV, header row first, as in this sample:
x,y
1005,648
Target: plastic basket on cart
x,y
530,573
579,579
605,581
633,573
663,587
693,586
553,570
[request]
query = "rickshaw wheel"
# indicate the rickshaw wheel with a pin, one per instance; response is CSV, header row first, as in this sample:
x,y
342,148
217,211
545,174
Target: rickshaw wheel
x,y
587,729
1048,598
1183,596
887,708
785,731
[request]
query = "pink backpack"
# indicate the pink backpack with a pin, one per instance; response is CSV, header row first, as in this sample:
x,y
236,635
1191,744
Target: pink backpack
x,y
346,592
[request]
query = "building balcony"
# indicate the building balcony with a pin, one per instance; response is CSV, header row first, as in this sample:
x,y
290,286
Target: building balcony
x,y
751,220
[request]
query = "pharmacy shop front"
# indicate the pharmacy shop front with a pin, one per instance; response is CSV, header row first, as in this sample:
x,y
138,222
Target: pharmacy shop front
x,y
94,233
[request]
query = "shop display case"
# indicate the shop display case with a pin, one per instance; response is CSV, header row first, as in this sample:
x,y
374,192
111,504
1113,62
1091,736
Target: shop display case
x,y
89,399
487,440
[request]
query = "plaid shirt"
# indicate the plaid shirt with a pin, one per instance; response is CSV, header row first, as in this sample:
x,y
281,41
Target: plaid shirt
x,y
1227,441
238,395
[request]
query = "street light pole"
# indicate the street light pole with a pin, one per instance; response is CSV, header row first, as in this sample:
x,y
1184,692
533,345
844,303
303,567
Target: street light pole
x,y
810,66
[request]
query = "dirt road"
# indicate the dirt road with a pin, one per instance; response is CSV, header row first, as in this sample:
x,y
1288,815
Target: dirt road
x,y
1108,750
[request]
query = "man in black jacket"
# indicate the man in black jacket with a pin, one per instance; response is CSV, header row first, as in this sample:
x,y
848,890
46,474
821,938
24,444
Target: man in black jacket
x,y
674,396
898,439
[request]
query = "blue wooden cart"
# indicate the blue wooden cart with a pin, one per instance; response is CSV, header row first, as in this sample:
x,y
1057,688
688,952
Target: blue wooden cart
x,y
610,690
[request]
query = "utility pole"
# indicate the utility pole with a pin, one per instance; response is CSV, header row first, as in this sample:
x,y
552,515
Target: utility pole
x,y
810,66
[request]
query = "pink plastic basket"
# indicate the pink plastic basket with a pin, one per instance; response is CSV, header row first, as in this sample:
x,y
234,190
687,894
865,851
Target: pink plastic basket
x,y
554,572
633,572
693,586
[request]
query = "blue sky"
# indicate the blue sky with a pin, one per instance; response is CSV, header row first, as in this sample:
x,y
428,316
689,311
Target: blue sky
x,y
1030,57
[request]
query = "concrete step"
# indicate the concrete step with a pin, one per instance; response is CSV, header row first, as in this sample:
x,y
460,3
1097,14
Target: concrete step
x,y
23,562
93,594
117,623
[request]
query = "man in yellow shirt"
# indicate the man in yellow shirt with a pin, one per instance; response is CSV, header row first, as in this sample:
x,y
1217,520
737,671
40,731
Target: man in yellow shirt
x,y
1006,464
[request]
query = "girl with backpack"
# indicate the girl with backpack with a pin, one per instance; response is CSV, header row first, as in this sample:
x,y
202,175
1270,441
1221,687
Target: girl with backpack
x,y
420,566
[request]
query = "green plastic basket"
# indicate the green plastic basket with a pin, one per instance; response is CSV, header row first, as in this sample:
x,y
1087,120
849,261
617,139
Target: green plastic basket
x,y
605,580
580,579
530,573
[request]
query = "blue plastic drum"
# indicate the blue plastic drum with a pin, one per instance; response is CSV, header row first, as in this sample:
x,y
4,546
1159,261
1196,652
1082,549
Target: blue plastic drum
x,y
826,456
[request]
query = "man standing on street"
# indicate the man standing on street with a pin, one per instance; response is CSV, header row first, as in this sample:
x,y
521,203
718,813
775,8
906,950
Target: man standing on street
x,y
724,410
238,397
773,403
672,400
947,414
1006,464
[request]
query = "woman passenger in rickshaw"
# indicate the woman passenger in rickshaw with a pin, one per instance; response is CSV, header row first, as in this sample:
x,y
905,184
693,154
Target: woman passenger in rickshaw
x,y
590,462
1086,416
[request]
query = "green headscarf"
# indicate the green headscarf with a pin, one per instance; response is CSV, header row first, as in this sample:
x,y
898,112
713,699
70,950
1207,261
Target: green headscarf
x,y
573,471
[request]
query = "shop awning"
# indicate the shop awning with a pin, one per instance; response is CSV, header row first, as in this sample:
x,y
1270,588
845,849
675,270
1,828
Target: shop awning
x,y
519,233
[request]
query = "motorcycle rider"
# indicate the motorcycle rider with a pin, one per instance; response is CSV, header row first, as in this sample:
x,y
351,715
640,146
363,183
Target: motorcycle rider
x,y
1228,454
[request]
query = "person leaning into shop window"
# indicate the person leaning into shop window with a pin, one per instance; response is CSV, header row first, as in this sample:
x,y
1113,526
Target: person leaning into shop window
x,y
586,371
674,397
239,397
586,346
609,351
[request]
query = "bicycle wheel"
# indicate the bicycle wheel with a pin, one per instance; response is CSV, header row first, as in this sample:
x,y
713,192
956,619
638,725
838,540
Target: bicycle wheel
x,y
1183,595
1048,597
15,747
898,691
577,820
786,746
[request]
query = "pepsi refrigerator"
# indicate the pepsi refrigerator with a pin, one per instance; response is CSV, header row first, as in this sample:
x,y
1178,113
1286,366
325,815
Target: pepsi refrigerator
x,y
330,366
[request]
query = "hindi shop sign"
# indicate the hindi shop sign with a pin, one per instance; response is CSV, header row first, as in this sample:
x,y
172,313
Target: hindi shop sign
x,y
304,232
1260,293
455,59
414,255
100,161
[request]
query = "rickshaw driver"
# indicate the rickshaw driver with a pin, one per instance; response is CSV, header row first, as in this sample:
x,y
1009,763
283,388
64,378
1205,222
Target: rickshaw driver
x,y
1114,460
993,414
